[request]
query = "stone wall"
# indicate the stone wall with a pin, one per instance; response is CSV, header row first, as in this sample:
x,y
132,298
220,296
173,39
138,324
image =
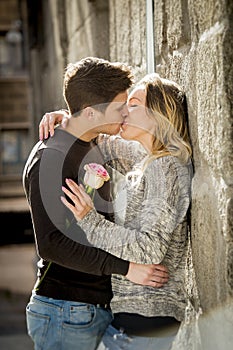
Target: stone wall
x,y
128,33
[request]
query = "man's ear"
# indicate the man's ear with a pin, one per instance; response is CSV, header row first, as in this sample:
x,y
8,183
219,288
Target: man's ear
x,y
89,113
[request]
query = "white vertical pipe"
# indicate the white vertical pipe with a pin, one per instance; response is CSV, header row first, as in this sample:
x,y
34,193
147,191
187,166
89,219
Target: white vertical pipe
x,y
150,36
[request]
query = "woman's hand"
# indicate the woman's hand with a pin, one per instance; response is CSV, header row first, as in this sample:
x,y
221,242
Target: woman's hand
x,y
50,120
82,202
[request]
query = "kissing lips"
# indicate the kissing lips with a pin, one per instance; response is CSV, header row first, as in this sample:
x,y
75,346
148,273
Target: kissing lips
x,y
124,125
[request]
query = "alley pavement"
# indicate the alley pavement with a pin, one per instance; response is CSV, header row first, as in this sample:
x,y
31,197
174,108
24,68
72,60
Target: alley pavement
x,y
18,273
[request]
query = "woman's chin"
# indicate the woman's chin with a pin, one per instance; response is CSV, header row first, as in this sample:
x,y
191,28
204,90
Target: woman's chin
x,y
124,135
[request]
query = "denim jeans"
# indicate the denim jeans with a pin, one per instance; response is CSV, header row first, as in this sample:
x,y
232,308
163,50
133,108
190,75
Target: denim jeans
x,y
65,325
117,340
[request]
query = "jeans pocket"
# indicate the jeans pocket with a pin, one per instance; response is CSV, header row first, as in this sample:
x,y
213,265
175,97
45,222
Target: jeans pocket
x,y
37,325
81,315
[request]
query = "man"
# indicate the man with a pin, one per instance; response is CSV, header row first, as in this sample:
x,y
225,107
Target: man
x,y
69,306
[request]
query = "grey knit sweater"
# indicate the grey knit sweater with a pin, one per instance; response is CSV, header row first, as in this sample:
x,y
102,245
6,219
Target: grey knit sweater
x,y
154,228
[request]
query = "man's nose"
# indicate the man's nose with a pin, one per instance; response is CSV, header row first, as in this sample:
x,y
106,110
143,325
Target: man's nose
x,y
125,111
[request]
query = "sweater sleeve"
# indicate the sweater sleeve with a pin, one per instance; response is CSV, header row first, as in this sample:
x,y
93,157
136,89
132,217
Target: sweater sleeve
x,y
120,154
165,204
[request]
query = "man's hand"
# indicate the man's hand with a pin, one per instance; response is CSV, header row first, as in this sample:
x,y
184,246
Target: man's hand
x,y
50,120
148,275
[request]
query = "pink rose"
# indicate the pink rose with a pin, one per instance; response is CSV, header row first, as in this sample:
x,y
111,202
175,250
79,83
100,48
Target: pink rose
x,y
95,175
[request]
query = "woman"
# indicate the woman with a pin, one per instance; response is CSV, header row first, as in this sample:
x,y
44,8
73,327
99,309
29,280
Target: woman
x,y
155,222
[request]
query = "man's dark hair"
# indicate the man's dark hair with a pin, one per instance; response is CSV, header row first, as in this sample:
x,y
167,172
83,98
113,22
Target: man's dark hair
x,y
94,81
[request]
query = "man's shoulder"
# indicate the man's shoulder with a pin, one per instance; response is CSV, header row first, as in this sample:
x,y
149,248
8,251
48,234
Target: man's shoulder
x,y
59,144
61,141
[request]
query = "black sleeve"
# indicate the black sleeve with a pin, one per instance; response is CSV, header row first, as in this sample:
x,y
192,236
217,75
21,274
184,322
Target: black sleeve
x,y
53,241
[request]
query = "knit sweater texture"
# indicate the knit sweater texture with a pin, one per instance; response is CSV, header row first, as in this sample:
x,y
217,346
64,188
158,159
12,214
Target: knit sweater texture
x,y
153,230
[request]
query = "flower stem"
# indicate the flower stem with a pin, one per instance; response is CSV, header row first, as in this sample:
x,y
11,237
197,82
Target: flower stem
x,y
89,190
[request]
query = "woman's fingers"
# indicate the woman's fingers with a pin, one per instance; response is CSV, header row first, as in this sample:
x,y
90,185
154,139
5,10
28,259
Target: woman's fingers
x,y
68,205
161,268
77,208
80,207
73,186
47,124
159,279
161,272
65,121
84,198
73,197
44,127
76,190
155,284
50,120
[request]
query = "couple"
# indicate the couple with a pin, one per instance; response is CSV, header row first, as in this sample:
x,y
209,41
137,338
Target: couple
x,y
69,307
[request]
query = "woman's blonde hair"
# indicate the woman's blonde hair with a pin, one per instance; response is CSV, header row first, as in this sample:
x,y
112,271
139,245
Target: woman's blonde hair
x,y
166,103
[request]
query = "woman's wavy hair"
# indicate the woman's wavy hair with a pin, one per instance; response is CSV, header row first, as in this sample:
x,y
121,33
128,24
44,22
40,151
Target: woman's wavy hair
x,y
166,103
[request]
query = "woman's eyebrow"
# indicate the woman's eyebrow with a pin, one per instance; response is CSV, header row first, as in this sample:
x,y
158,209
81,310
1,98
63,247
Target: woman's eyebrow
x,y
135,98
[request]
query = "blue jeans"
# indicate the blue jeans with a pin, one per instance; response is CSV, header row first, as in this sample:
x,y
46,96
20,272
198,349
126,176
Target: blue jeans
x,y
117,340
65,325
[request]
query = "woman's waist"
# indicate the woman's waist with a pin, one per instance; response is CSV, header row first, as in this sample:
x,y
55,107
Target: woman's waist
x,y
151,305
174,288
